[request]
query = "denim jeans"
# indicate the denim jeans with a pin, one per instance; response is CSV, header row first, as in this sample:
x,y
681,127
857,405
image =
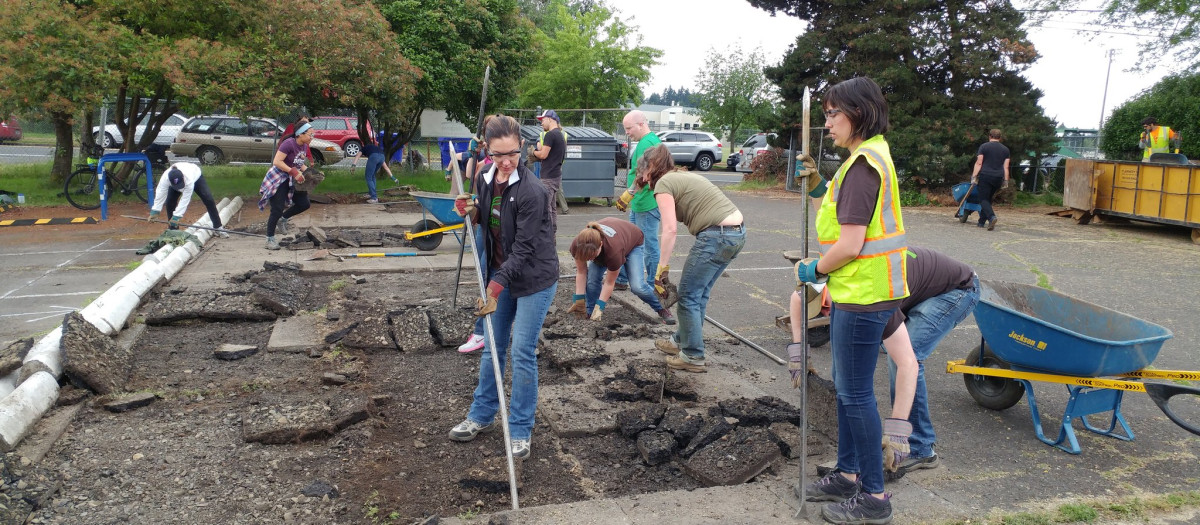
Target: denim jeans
x,y
648,222
521,319
634,264
928,323
710,255
374,161
856,337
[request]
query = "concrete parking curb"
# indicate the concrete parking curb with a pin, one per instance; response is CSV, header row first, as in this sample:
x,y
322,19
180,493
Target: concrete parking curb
x,y
28,392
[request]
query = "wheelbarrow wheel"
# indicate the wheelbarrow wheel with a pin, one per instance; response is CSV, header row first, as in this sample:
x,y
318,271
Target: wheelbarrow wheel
x,y
995,393
430,242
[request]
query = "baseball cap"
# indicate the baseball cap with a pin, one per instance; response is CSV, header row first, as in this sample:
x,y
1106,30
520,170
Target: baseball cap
x,y
549,113
175,177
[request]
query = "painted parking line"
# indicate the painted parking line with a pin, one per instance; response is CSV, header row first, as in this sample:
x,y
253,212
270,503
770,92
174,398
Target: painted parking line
x,y
41,295
59,312
52,270
25,254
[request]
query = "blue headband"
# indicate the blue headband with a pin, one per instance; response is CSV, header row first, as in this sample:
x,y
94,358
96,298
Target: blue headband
x,y
303,127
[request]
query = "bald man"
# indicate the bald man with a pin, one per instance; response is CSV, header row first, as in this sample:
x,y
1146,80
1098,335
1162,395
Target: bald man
x,y
643,209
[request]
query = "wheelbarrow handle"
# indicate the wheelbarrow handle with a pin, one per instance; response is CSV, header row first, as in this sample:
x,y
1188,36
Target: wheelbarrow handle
x,y
966,196
1161,394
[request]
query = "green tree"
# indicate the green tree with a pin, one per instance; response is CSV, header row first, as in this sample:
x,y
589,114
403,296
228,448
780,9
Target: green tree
x,y
1167,26
55,60
1174,101
589,60
950,70
733,91
451,42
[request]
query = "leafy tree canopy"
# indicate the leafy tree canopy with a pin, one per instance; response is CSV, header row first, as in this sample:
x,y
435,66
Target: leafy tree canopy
x,y
589,60
1174,101
1170,27
950,71
733,91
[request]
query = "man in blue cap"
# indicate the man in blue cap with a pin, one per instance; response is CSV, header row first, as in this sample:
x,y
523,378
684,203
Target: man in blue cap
x,y
551,152
175,190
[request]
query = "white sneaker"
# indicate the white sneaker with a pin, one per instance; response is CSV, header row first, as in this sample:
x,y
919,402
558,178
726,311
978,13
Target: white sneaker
x,y
520,448
372,201
272,244
281,227
467,430
472,344
222,233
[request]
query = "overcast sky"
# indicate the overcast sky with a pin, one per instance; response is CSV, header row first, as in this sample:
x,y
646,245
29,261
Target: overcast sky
x,y
1070,72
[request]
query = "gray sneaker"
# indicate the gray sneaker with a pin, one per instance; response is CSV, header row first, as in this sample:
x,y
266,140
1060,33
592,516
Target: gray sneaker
x,y
666,316
222,233
281,227
833,487
910,465
520,448
272,244
862,508
467,430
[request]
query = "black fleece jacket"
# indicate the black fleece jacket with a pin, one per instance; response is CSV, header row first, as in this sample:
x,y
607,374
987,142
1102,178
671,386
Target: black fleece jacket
x,y
526,232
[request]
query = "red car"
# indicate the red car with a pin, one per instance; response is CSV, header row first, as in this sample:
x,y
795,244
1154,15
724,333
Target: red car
x,y
10,130
342,131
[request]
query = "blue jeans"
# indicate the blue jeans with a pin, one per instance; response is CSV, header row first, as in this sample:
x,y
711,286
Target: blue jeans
x,y
856,337
928,323
648,222
635,265
374,161
521,319
710,255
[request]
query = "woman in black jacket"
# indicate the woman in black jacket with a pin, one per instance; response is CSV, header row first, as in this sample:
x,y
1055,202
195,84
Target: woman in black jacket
x,y
520,261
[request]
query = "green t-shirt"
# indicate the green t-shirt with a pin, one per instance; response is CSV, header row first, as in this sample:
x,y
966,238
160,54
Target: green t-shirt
x,y
643,200
698,202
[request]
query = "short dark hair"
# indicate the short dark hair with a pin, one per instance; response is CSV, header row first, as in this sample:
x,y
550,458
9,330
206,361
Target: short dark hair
x,y
1149,121
501,126
861,100
995,134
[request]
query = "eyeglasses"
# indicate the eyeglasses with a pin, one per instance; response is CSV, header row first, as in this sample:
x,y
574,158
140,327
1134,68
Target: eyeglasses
x,y
501,156
830,113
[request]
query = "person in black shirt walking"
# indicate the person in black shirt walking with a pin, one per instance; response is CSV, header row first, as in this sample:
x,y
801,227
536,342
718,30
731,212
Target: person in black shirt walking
x,y
991,174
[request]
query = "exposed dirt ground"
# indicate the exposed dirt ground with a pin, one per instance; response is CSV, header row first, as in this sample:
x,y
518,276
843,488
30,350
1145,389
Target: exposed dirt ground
x,y
356,428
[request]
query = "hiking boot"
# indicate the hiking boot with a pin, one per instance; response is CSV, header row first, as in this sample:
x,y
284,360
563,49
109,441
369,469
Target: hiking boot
x,y
520,448
272,244
667,346
467,430
621,286
833,487
910,465
666,316
281,227
862,508
472,344
222,233
992,223
677,363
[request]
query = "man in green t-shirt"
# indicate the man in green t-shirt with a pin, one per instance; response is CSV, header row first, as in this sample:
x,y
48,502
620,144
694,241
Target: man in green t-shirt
x,y
643,210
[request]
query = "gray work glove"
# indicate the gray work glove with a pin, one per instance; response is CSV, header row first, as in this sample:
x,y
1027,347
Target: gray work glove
x,y
895,443
795,364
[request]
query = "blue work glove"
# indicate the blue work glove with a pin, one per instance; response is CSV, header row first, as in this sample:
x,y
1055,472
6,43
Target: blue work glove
x,y
175,220
806,272
895,443
153,215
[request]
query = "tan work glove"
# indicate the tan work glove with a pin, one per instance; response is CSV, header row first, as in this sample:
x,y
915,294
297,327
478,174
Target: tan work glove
x,y
579,308
661,281
597,311
464,205
624,199
482,307
895,443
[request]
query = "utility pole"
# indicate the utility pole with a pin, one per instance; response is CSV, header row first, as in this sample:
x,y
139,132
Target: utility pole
x,y
1104,99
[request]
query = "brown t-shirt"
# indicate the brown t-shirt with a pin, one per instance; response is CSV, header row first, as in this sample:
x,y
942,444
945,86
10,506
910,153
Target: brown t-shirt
x,y
856,205
698,202
930,274
617,238
493,208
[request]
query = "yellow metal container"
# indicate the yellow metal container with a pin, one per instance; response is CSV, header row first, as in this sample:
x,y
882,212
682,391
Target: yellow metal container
x,y
1153,192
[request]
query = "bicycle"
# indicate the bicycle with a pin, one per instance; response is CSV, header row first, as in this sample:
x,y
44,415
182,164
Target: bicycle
x,y
82,190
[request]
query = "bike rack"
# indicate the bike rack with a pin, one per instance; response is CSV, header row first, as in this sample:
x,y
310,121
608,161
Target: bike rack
x,y
123,157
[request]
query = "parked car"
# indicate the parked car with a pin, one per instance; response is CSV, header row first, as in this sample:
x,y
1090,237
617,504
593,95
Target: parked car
x,y
166,135
733,160
695,149
10,130
216,139
753,146
342,131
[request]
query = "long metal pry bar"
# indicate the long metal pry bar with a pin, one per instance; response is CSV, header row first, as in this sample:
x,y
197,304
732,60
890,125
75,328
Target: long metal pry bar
x,y
804,147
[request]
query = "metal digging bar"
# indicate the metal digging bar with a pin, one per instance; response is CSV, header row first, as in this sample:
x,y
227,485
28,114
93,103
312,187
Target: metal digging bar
x,y
806,150
487,71
491,340
197,226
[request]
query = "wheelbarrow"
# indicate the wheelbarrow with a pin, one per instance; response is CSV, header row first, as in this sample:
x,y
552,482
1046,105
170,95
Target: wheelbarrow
x,y
972,203
1033,334
426,234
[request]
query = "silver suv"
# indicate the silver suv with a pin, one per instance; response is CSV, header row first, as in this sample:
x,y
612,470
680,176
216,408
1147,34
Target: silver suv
x,y
695,149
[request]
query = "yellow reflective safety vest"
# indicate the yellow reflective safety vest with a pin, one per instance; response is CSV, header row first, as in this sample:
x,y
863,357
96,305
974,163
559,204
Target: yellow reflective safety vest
x,y
1159,142
877,274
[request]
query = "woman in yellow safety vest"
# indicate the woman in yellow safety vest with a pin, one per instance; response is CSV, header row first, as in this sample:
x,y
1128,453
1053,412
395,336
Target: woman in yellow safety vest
x,y
862,244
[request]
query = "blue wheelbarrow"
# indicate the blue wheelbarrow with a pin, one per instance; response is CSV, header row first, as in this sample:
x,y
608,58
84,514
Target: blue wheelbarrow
x,y
1033,334
426,234
967,197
